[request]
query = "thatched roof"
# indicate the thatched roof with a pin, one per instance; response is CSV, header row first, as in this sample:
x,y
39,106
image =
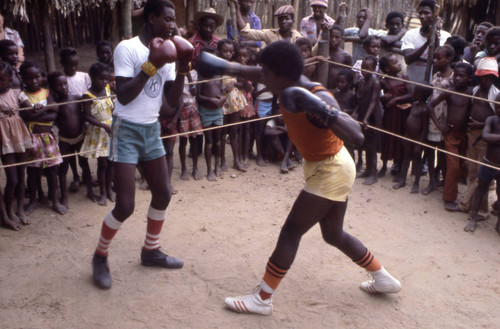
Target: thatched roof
x,y
454,3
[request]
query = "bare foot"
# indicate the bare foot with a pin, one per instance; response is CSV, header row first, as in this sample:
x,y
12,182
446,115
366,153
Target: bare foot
x,y
184,174
64,201
298,157
239,166
415,188
111,195
59,208
363,174
428,189
370,180
284,168
223,166
218,172
359,166
173,190
211,176
22,216
92,197
30,207
471,226
451,206
14,218
11,224
261,163
399,185
101,200
196,174
74,186
381,172
290,165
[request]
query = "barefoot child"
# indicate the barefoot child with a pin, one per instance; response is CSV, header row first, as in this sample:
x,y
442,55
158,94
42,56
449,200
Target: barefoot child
x,y
45,148
396,101
104,52
210,100
336,54
15,140
491,136
317,129
346,97
189,121
78,83
235,103
486,73
414,129
454,130
70,122
368,112
98,115
371,45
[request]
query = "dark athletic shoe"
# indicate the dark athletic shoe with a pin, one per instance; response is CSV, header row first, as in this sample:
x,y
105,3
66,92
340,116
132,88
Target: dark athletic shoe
x,y
100,268
157,258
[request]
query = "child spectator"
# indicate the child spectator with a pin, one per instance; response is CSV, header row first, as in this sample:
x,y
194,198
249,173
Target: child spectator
x,y
45,148
443,57
15,140
346,97
310,67
10,54
458,44
104,52
368,111
70,122
486,73
477,44
454,130
264,106
415,130
391,43
491,136
336,54
210,100
396,101
189,121
96,142
235,102
242,55
78,82
371,45
492,41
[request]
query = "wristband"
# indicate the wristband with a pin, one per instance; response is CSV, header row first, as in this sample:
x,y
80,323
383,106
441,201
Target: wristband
x,y
149,68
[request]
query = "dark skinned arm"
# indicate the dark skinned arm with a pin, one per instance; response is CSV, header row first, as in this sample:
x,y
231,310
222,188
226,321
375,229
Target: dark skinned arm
x,y
363,32
488,136
373,101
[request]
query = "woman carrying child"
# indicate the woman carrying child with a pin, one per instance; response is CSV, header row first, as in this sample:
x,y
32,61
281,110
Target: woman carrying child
x,y
14,139
96,142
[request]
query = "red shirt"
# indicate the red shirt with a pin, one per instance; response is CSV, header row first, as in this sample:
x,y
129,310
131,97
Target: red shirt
x,y
198,44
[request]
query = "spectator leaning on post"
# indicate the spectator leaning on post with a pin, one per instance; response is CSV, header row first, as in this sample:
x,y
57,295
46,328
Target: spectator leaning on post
x,y
311,26
244,15
286,18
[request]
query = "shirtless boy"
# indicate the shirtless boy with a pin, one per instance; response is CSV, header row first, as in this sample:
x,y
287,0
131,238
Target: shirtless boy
x,y
210,100
486,73
346,97
454,130
70,123
415,129
337,55
491,136
369,113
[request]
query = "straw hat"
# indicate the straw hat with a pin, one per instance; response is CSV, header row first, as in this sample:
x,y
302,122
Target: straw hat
x,y
209,12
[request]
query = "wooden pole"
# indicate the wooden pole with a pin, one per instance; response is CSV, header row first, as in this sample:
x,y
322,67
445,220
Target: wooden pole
x,y
48,48
432,45
127,19
323,50
234,24
296,9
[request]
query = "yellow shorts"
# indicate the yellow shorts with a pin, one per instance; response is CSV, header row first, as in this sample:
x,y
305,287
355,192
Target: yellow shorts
x,y
331,178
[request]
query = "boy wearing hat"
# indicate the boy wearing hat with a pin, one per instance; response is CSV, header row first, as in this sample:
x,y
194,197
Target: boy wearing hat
x,y
286,18
311,26
486,73
208,20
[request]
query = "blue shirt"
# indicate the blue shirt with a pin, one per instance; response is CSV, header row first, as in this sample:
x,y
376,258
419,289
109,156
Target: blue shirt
x,y
254,24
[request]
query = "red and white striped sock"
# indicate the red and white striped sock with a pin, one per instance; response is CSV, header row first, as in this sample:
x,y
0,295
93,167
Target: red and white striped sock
x,y
155,222
110,226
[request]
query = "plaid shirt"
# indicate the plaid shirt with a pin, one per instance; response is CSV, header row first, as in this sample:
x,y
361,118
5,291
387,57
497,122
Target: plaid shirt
x,y
254,24
198,44
308,27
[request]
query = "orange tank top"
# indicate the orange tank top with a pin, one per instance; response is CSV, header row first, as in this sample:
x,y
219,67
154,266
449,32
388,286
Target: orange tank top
x,y
315,144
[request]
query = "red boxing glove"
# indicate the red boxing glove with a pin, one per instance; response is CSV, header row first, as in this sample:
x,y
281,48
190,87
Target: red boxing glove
x,y
161,52
185,52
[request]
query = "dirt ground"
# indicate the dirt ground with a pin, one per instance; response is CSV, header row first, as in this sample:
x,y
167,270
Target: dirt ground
x,y
225,231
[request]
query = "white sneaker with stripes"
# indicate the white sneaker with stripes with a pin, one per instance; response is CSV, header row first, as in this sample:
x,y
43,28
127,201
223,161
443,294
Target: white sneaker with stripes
x,y
383,282
250,304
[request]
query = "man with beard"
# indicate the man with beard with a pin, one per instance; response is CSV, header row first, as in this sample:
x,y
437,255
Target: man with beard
x,y
286,18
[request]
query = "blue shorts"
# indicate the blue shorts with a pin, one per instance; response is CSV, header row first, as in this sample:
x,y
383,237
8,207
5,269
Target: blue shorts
x,y
211,117
487,174
264,109
135,142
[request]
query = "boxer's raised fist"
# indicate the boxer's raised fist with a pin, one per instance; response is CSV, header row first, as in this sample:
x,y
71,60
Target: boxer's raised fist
x,y
161,52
